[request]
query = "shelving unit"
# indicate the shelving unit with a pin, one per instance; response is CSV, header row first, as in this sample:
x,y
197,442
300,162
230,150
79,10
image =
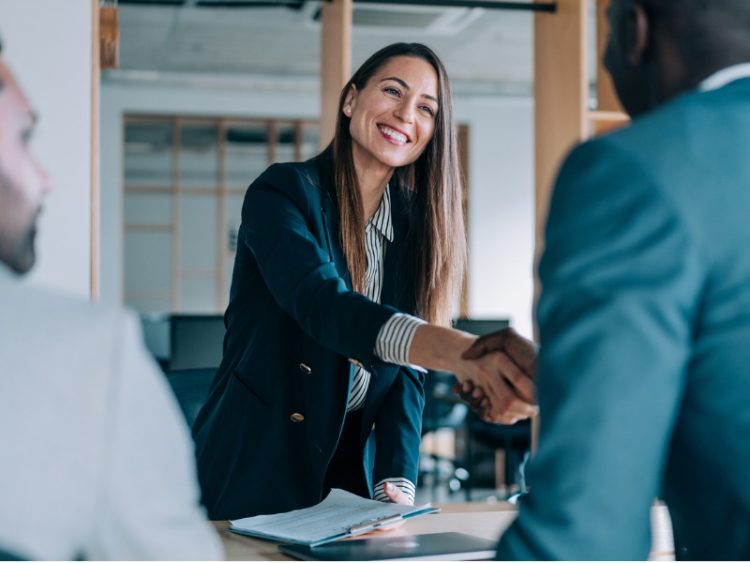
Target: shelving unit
x,y
564,112
185,180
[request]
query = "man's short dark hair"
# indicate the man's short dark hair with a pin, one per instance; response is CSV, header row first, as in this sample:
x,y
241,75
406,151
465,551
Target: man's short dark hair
x,y
702,15
709,33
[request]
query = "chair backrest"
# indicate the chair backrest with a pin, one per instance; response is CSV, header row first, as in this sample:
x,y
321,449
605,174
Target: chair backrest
x,y
6,555
191,386
196,341
442,408
480,327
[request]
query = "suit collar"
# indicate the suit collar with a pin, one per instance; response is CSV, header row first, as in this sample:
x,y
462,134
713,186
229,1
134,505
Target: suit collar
x,y
398,286
324,164
381,220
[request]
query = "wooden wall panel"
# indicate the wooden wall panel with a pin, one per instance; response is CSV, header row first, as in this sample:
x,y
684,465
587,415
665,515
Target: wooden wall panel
x,y
335,61
95,85
560,94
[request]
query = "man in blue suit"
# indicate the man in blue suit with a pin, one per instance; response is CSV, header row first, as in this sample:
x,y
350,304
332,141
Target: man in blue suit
x,y
644,365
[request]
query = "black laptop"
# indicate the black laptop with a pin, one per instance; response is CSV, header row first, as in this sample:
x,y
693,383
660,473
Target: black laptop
x,y
448,545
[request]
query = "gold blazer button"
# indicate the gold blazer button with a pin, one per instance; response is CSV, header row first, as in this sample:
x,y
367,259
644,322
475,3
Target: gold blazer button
x,y
304,368
297,417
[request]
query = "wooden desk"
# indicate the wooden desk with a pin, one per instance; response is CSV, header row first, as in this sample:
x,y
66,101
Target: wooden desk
x,y
482,520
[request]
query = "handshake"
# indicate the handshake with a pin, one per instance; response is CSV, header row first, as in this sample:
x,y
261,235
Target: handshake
x,y
495,372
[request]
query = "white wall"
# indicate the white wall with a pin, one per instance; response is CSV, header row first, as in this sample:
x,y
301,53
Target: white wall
x,y
501,172
501,208
48,44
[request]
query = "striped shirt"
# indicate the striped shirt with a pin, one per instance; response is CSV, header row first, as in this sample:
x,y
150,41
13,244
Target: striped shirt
x,y
395,336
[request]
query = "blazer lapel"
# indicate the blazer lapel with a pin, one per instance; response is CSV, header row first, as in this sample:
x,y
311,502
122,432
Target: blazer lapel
x,y
331,216
397,291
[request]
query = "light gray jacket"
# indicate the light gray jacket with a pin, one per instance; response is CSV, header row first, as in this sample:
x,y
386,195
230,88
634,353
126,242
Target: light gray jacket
x,y
96,460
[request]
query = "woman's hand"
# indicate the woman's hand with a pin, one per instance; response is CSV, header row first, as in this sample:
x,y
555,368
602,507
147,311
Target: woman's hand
x,y
396,495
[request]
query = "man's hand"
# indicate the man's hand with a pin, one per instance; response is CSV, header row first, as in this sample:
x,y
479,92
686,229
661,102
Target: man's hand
x,y
519,367
520,350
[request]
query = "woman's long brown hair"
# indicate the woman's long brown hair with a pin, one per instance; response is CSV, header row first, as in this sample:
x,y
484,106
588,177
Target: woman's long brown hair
x,y
438,242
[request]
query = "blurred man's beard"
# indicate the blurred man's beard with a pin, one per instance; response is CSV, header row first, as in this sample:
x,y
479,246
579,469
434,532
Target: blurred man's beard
x,y
16,249
26,255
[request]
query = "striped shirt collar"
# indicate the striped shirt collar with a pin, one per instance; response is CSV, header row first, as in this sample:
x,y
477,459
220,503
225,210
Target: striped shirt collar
x,y
725,76
381,219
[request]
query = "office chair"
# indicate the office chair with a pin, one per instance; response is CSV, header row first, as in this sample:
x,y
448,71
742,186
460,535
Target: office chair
x,y
6,555
190,387
443,409
515,441
180,341
196,341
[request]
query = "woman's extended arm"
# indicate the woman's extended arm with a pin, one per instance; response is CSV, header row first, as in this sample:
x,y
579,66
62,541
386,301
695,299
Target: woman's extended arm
x,y
304,282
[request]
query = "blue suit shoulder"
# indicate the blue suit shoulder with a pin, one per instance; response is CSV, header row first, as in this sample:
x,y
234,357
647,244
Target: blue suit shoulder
x,y
672,135
654,150
675,149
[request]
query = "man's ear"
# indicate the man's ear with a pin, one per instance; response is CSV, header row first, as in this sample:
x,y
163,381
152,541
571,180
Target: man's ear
x,y
637,34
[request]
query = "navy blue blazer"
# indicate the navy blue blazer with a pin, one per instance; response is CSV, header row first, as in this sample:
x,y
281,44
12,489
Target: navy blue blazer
x,y
644,369
276,408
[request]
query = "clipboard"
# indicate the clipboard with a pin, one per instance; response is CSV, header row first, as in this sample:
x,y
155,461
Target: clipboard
x,y
341,515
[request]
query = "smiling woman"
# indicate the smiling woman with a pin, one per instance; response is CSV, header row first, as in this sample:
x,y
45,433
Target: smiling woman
x,y
395,109
337,260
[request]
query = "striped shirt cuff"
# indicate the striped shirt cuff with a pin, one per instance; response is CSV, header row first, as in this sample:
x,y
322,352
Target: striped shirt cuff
x,y
395,338
406,486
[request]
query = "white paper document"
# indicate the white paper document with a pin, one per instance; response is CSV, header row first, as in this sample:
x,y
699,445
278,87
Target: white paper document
x,y
340,515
